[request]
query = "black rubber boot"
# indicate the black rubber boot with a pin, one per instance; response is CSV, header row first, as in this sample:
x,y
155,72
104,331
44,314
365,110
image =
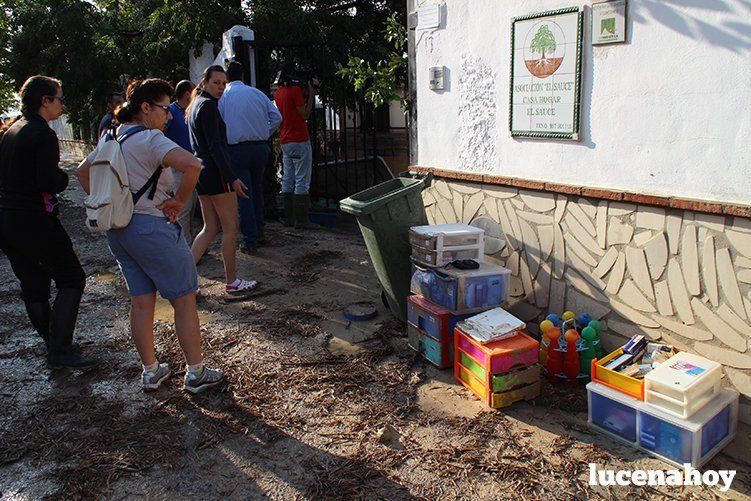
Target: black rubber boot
x,y
302,205
39,314
63,323
289,209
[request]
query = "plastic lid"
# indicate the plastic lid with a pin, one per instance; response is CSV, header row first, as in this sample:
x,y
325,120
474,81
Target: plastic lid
x,y
367,201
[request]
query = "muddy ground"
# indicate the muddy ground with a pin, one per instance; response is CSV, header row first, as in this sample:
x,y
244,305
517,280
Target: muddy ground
x,y
308,395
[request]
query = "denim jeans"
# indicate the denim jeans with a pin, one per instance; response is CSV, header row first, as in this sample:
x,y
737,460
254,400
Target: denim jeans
x,y
154,256
249,163
298,167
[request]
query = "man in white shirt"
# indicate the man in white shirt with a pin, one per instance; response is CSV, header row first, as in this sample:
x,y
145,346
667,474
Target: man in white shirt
x,y
251,117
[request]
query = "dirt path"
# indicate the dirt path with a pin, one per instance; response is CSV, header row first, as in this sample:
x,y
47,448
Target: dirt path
x,y
307,395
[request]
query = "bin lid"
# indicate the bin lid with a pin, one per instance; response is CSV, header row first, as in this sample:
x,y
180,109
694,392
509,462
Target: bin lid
x,y
432,230
367,201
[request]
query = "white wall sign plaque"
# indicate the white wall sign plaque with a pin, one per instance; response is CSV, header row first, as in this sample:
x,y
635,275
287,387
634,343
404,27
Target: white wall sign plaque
x,y
546,74
609,22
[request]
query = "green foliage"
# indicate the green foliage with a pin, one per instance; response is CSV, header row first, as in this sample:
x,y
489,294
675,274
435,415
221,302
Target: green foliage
x,y
544,41
380,81
56,38
330,30
7,96
92,44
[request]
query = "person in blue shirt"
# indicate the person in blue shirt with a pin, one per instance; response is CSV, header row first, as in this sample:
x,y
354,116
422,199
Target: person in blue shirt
x,y
251,118
177,131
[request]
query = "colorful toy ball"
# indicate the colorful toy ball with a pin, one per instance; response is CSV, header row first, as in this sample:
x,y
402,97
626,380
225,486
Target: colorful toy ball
x,y
571,336
553,332
596,325
589,333
555,319
545,325
584,319
569,315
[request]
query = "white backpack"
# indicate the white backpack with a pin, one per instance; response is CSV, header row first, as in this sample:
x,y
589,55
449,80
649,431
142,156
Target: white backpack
x,y
109,205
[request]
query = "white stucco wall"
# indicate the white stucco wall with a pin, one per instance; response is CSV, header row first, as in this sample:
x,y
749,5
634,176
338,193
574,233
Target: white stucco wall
x,y
667,113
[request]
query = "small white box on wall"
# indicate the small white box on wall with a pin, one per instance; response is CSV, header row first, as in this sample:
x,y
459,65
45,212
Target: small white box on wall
x,y
437,77
429,17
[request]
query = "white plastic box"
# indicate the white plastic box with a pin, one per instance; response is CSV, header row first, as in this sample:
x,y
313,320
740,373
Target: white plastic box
x,y
674,440
446,236
683,384
440,244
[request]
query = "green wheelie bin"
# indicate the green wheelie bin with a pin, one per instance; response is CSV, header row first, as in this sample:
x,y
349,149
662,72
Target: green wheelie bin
x,y
385,214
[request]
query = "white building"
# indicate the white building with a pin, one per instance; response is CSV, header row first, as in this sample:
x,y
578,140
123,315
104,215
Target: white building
x,y
643,219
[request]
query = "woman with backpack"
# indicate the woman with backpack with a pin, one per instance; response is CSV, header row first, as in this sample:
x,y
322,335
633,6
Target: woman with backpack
x,y
218,186
31,235
150,250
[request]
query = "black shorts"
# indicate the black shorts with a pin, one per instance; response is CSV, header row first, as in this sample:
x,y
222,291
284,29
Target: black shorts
x,y
212,182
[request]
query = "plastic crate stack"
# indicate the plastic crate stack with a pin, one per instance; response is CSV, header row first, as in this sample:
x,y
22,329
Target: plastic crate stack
x,y
495,359
678,412
445,294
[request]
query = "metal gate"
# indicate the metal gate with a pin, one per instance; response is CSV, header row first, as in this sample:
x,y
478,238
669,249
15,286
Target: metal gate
x,y
349,137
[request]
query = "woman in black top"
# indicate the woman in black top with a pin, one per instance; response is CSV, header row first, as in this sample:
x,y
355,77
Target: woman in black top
x,y
31,235
218,186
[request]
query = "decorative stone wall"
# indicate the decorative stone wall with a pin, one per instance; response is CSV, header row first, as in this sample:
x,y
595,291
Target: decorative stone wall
x,y
680,276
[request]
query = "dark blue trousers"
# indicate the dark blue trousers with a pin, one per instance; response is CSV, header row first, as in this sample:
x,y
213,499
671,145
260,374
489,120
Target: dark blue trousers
x,y
249,163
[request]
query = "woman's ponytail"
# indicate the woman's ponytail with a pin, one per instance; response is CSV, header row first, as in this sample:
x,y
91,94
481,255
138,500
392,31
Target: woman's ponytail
x,y
123,113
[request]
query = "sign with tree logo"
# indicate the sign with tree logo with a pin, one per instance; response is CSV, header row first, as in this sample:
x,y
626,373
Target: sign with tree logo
x,y
608,22
544,96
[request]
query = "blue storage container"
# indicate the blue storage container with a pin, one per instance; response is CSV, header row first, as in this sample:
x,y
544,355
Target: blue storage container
x,y
440,354
694,440
716,430
665,439
435,321
462,291
613,416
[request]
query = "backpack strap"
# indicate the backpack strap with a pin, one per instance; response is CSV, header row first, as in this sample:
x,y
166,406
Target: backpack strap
x,y
154,179
130,132
151,183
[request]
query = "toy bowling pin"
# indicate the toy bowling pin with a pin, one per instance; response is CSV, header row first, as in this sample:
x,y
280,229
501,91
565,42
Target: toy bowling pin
x,y
571,359
555,357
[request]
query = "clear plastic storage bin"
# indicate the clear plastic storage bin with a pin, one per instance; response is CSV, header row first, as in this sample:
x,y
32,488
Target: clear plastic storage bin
x,y
462,291
675,440
443,257
446,236
611,415
683,384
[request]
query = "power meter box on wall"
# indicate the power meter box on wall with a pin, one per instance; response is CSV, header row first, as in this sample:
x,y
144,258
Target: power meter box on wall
x,y
436,77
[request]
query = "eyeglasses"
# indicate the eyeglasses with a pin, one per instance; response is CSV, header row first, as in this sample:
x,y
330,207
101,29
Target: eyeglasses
x,y
52,98
165,108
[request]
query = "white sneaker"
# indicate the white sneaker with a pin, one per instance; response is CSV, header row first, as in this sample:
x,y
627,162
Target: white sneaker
x,y
240,286
153,380
207,379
